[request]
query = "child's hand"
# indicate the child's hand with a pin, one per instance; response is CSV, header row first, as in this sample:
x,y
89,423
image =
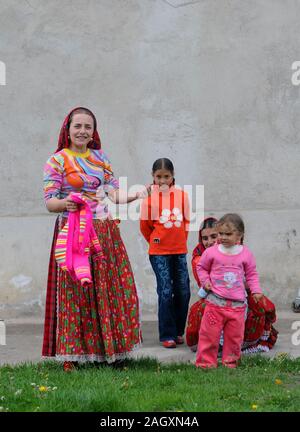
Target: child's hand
x,y
208,286
257,297
149,189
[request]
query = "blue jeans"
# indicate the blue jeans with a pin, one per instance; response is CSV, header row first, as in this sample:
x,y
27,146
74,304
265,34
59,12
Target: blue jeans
x,y
173,289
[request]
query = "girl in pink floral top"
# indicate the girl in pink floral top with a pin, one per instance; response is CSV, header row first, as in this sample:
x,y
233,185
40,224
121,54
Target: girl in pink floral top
x,y
222,271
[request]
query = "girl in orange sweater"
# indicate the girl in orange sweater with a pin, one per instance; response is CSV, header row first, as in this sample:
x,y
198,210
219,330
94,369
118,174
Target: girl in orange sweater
x,y
164,224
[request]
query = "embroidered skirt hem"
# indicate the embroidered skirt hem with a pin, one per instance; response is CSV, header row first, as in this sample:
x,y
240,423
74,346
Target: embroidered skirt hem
x,y
93,357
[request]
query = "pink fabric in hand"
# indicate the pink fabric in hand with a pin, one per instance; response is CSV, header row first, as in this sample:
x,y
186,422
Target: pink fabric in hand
x,y
76,241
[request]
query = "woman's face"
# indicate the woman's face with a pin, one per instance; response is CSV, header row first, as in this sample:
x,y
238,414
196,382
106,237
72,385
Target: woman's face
x,y
81,131
209,237
162,177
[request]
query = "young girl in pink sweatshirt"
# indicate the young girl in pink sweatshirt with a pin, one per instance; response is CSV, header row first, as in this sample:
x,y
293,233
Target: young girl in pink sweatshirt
x,y
222,271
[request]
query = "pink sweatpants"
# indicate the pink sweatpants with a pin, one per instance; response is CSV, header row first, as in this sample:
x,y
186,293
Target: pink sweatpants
x,y
215,319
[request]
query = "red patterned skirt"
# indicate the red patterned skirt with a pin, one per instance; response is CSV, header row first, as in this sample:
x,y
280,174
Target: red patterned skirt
x,y
194,322
99,322
259,336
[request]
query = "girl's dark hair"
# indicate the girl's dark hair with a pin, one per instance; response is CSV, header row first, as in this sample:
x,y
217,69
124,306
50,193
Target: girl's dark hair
x,y
210,222
82,110
235,220
163,163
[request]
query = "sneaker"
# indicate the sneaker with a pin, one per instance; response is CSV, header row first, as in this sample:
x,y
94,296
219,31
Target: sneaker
x,y
169,344
69,366
179,340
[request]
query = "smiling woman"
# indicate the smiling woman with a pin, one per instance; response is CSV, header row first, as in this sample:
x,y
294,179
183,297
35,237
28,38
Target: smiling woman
x,y
81,131
92,310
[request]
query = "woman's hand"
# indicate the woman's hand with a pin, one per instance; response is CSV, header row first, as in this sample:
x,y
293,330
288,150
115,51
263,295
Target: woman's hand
x,y
57,205
257,297
144,193
71,206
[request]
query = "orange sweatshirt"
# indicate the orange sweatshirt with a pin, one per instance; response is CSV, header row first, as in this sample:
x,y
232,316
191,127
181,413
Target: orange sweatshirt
x,y
164,221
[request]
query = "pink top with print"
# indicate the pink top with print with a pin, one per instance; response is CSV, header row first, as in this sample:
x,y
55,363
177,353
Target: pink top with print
x,y
227,273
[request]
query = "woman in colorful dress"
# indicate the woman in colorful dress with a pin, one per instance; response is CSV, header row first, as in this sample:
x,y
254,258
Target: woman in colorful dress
x,y
99,321
260,335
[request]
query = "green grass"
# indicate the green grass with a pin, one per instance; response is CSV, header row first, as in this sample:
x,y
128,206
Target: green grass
x,y
258,384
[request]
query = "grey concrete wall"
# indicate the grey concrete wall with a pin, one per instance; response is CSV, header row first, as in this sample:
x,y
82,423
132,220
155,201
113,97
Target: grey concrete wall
x,y
206,83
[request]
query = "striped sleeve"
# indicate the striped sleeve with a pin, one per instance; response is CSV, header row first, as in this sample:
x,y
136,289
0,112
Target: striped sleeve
x,y
110,181
53,173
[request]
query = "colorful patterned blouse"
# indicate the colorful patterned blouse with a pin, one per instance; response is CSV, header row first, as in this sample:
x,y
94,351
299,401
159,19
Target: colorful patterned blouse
x,y
89,173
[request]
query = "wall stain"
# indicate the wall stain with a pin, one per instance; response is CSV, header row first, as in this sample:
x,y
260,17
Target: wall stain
x,y
288,234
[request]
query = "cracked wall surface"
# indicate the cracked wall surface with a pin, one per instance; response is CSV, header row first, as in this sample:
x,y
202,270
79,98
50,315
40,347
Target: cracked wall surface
x,y
205,83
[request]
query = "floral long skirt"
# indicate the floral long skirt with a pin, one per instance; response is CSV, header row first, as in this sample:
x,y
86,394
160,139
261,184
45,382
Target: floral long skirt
x,y
99,322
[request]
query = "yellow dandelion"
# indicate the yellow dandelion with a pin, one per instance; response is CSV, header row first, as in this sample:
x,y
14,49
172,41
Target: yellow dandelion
x,y
254,407
278,381
43,389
